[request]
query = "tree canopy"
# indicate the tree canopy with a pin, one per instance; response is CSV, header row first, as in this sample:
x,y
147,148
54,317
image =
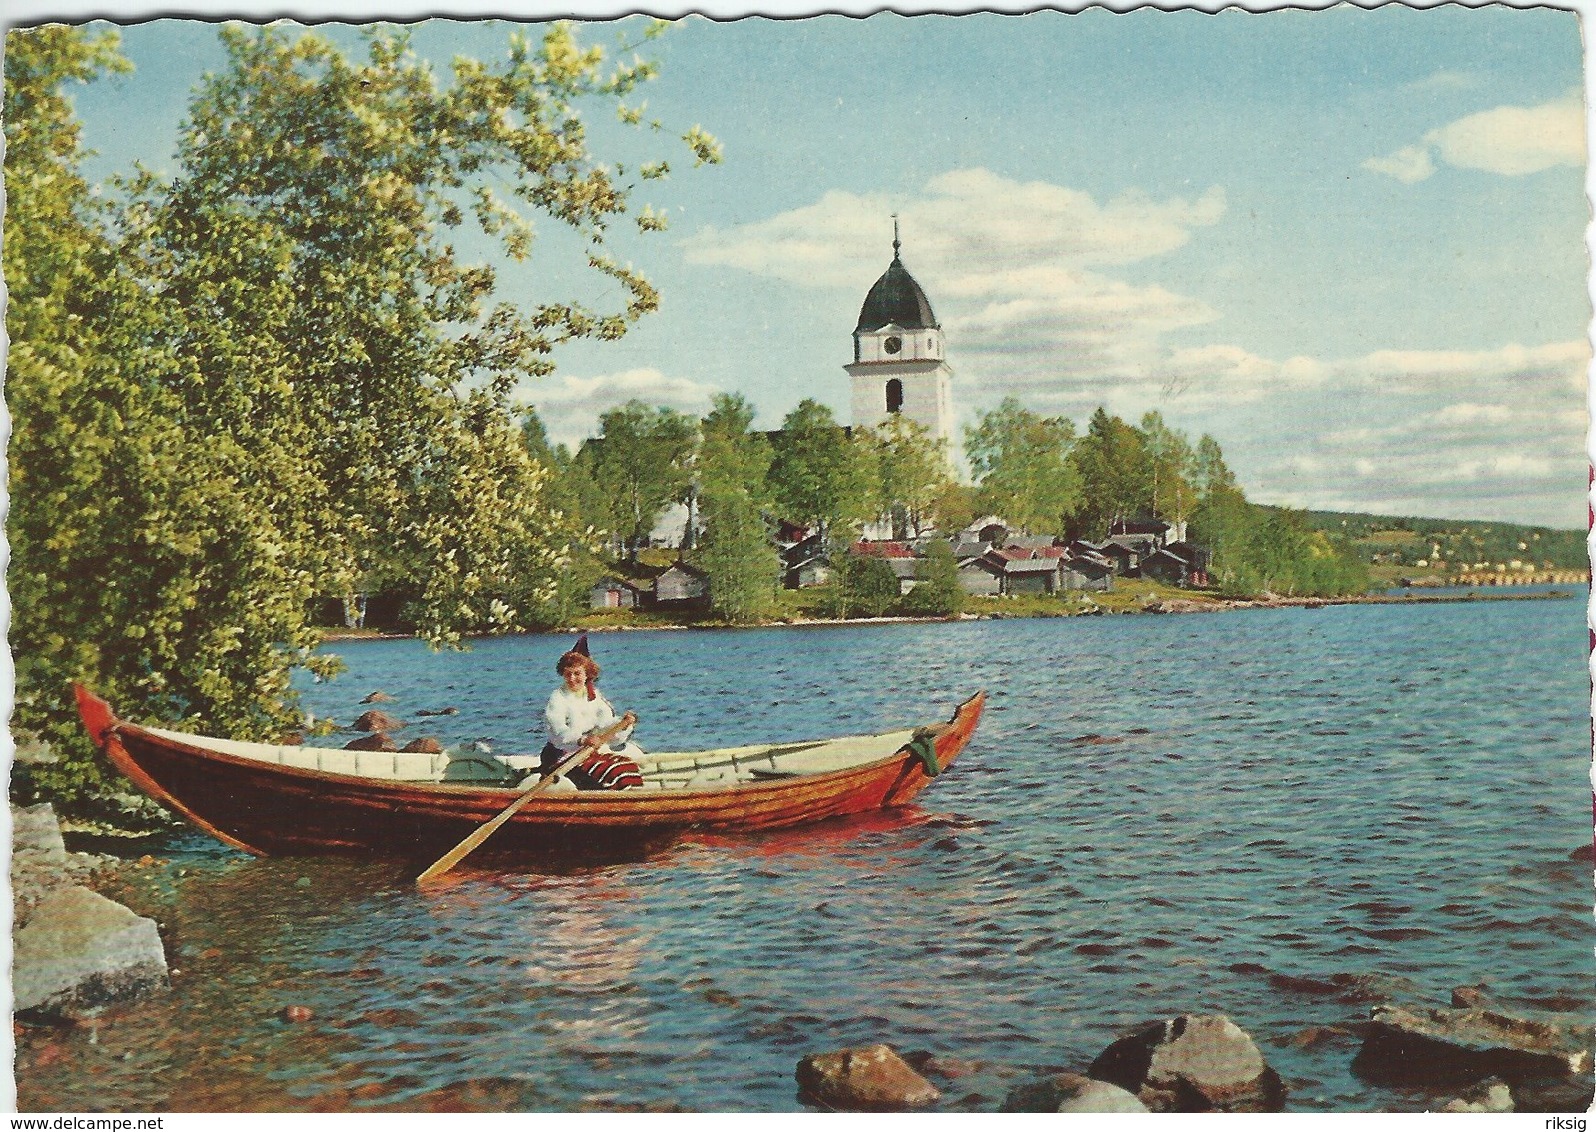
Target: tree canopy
x,y
1022,466
273,378
821,476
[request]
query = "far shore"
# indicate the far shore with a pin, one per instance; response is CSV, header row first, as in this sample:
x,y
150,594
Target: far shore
x,y
1202,603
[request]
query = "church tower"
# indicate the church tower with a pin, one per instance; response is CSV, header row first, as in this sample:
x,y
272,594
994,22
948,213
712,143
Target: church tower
x,y
899,364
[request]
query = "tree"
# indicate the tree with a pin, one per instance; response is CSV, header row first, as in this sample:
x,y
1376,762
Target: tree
x,y
913,472
642,464
937,592
820,476
863,585
1116,475
283,382
1021,464
1209,473
1169,458
736,553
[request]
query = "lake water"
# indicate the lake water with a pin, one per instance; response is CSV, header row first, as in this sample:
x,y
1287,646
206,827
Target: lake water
x,y
1158,815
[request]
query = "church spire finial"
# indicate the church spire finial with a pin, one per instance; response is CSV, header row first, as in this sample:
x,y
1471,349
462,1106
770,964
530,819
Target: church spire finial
x,y
895,242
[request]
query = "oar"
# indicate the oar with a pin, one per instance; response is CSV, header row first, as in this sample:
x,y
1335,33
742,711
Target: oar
x,y
454,856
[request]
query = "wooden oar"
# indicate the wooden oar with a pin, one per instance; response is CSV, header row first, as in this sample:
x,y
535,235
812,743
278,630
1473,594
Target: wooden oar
x,y
454,856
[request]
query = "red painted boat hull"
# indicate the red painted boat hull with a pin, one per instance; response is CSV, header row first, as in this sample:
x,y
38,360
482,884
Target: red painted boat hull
x,y
272,810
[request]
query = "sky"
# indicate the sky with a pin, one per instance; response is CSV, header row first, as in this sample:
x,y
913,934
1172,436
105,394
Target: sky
x,y
1347,244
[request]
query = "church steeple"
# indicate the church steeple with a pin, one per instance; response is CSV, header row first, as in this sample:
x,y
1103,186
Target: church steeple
x,y
898,360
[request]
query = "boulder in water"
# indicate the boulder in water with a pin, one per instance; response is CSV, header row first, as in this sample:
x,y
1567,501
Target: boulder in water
x,y
377,721
863,1079
375,742
1070,1092
378,698
1192,1063
1419,1046
426,745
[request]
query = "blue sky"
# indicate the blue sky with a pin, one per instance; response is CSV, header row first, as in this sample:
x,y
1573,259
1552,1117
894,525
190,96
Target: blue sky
x,y
1348,244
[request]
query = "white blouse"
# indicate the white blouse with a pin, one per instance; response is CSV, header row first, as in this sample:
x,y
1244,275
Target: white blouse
x,y
571,716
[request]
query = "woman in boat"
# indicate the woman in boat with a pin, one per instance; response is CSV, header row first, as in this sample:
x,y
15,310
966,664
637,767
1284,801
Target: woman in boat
x,y
577,710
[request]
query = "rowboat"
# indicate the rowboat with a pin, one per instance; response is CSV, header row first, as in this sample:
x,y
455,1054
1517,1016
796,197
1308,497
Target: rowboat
x,y
280,800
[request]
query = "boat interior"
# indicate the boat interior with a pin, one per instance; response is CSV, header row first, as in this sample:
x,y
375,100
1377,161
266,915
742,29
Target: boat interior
x,y
474,764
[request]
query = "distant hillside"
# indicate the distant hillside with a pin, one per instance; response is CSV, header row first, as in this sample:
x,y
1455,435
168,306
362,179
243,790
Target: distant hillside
x,y
1453,545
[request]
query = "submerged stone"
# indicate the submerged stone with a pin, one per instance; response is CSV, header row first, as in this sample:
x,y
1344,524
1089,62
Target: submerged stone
x,y
1070,1092
863,1079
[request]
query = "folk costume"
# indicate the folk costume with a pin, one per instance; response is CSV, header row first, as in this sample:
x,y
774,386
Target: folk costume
x,y
573,715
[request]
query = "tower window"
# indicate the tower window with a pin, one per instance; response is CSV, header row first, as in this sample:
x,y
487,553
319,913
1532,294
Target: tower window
x,y
894,396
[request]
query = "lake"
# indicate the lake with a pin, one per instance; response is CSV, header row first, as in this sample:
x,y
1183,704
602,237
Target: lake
x,y
1195,813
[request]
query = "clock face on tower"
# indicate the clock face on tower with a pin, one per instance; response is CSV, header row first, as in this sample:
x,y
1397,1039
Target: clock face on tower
x,y
892,345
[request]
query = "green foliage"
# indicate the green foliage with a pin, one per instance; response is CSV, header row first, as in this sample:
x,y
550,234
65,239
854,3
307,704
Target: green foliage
x,y
821,476
742,566
272,379
1267,549
1170,459
913,472
937,592
642,465
1116,474
1404,540
1021,462
862,585
736,553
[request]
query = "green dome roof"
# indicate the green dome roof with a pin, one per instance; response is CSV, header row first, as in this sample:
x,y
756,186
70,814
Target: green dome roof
x,y
896,298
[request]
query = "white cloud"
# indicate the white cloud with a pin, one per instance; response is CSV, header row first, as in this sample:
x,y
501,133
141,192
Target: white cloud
x,y
1410,164
1442,81
1516,140
1483,434
970,231
570,406
1023,263
1512,141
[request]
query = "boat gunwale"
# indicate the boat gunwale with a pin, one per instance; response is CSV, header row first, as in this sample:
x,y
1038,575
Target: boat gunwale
x,y
456,791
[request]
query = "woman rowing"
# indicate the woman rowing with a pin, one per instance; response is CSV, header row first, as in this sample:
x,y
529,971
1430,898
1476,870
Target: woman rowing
x,y
577,711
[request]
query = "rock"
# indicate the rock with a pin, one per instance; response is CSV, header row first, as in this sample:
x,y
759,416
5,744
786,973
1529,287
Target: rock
x,y
863,1079
1192,1063
80,951
1375,988
291,739
1586,853
1466,998
439,711
378,698
426,745
1489,1095
1570,1094
376,742
1315,1036
297,1014
1448,1047
377,721
1070,1092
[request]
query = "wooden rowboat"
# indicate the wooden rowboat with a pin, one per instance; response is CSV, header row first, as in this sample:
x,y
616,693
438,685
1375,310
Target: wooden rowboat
x,y
274,800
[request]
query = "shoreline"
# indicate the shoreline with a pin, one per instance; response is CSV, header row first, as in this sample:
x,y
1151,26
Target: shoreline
x,y
1155,606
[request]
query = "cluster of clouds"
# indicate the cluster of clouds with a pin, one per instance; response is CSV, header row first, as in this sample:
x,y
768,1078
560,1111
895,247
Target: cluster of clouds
x,y
1508,140
570,406
1031,286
